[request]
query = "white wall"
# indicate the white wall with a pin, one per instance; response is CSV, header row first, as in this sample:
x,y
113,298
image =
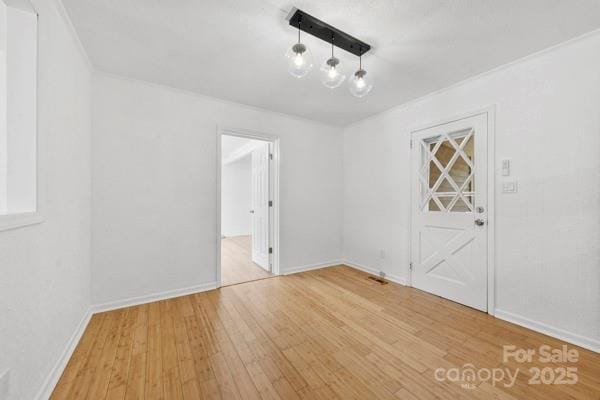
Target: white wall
x,y
235,197
45,268
548,234
154,201
154,187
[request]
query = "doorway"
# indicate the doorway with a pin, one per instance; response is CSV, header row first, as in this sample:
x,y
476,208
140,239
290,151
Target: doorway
x,y
450,211
247,184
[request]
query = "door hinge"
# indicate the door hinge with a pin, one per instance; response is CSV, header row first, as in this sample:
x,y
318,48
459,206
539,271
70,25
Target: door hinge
x,y
270,203
411,143
270,156
270,250
410,266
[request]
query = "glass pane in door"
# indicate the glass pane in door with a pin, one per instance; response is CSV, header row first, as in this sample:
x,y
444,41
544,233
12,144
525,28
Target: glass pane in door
x,y
449,170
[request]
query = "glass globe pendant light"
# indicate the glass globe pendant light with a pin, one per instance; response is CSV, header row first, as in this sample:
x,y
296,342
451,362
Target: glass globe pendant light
x,y
330,73
299,57
360,84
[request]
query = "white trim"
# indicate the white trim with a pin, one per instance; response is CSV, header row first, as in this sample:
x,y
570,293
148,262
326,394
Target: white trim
x,y
491,211
274,172
22,219
393,278
55,373
71,28
490,113
219,235
248,134
275,176
310,267
169,294
451,118
14,221
472,78
558,333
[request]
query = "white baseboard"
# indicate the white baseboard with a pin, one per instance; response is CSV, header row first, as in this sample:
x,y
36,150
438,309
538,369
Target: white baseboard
x,y
56,372
234,234
585,342
310,267
393,278
558,333
134,301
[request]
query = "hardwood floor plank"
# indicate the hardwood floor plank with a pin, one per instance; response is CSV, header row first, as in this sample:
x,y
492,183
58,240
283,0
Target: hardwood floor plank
x,y
191,388
99,385
236,261
85,377
117,385
172,384
238,371
75,367
154,388
136,379
323,334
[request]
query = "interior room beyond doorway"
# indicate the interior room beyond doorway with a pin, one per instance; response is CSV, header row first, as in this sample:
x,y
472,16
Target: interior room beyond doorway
x,y
245,228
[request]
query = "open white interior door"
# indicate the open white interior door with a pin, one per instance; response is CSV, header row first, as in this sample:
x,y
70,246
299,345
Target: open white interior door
x,y
260,206
449,211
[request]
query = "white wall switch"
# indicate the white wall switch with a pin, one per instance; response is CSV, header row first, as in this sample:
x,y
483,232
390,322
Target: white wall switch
x,y
509,187
505,167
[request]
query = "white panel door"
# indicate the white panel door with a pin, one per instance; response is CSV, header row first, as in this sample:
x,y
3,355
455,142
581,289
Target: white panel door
x,y
260,205
449,211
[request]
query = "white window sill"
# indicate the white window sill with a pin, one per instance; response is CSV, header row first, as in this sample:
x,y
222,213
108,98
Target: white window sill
x,y
14,221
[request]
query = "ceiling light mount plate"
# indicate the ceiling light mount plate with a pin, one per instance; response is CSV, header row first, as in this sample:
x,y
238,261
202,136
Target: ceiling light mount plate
x,y
324,31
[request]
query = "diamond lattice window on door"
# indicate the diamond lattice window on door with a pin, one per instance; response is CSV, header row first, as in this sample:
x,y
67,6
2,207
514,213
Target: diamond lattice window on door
x,y
447,172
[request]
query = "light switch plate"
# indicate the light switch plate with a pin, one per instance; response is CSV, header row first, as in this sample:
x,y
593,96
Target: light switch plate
x,y
509,187
506,167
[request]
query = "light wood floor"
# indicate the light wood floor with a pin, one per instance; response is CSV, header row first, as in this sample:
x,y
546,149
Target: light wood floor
x,y
324,334
236,261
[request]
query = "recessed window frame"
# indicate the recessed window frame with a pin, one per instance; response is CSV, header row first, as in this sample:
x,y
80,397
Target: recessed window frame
x,y
29,214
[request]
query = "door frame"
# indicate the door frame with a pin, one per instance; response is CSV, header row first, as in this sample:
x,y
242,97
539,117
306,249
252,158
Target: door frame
x,y
490,113
274,174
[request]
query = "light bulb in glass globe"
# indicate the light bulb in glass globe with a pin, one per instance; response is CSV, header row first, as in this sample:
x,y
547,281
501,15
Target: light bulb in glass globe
x,y
331,76
360,84
299,60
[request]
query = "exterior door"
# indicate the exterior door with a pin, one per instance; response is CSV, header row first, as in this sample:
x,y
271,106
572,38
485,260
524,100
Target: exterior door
x,y
449,211
260,206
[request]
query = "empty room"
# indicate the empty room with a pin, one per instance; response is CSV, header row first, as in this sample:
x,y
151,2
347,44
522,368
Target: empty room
x,y
334,199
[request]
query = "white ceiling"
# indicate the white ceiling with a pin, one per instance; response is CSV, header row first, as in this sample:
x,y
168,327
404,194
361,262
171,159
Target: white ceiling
x,y
233,49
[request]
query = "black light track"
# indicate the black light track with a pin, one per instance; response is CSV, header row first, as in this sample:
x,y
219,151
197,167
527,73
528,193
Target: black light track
x,y
324,31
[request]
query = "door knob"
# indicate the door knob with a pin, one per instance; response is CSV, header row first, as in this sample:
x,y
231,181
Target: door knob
x,y
479,222
251,211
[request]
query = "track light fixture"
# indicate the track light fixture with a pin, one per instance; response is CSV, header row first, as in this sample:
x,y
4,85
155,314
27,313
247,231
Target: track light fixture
x,y
300,59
